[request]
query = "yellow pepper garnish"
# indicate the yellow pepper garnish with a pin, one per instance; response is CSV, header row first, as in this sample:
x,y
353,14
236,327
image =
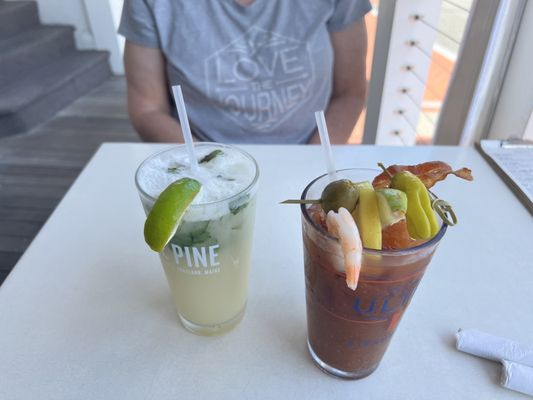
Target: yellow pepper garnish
x,y
421,220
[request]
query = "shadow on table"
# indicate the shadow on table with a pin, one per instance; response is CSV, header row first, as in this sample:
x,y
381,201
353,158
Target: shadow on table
x,y
147,292
288,333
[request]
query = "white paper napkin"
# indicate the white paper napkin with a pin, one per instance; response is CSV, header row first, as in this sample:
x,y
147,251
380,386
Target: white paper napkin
x,y
492,347
517,377
516,358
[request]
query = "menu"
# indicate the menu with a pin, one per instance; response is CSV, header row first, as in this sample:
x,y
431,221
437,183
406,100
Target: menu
x,y
513,160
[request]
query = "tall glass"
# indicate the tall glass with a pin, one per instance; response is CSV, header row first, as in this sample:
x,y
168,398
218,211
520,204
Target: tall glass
x,y
349,331
207,262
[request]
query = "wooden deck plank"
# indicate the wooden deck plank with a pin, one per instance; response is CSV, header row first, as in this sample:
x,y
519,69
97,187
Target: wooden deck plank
x,y
34,202
10,243
38,178
27,170
20,228
23,214
4,274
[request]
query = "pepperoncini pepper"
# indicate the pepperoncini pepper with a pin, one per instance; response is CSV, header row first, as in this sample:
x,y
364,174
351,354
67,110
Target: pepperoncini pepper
x,y
421,220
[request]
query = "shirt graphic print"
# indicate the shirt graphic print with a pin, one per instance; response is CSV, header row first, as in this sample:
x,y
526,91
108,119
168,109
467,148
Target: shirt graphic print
x,y
260,78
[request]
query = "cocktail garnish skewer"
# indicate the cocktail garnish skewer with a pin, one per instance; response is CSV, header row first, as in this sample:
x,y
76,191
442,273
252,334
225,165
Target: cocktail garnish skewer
x,y
309,201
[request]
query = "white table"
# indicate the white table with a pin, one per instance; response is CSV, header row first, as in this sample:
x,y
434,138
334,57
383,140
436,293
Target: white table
x,y
86,313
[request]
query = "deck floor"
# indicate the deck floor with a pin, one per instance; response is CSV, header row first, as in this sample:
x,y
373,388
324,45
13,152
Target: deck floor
x,y
38,167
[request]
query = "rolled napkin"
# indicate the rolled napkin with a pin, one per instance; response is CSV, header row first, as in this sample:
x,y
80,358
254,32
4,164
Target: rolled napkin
x,y
517,377
495,348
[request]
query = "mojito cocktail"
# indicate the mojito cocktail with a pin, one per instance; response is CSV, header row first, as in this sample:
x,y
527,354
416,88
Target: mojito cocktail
x,y
207,260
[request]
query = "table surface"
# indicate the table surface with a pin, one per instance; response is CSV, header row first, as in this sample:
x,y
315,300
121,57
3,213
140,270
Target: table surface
x,y
87,313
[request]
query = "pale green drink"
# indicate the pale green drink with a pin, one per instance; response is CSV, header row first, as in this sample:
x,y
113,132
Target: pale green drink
x,y
207,261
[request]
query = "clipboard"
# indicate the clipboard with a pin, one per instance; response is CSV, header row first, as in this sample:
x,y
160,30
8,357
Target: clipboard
x,y
513,161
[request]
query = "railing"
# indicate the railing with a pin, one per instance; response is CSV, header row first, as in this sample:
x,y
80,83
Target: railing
x,y
424,40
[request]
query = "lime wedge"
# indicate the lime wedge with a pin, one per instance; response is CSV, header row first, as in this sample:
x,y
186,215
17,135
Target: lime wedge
x,y
165,216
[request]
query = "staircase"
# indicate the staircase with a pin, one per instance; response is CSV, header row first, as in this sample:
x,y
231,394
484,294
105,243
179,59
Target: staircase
x,y
40,69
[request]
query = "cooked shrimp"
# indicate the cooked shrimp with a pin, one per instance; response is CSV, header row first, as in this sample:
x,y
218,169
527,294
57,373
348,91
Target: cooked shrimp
x,y
342,226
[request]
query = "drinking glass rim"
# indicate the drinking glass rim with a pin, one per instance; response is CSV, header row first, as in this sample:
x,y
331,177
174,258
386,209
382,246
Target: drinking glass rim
x,y
201,144
435,239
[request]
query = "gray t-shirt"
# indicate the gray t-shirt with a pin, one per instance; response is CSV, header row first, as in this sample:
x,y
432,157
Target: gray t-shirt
x,y
249,74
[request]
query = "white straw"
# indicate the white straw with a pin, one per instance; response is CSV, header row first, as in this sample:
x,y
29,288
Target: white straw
x,y
324,139
185,128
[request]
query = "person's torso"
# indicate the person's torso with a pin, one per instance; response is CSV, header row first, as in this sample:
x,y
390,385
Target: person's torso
x,y
249,73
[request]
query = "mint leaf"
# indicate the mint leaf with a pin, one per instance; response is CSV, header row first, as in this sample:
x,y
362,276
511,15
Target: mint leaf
x,y
225,178
210,156
176,169
236,206
195,234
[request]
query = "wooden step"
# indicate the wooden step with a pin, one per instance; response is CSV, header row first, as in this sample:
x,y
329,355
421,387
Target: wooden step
x,y
27,102
33,49
17,16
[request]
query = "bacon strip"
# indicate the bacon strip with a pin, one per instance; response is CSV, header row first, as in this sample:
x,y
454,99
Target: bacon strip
x,y
429,173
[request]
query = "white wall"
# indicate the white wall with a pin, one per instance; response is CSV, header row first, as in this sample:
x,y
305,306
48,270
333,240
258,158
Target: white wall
x,y
116,10
103,25
516,99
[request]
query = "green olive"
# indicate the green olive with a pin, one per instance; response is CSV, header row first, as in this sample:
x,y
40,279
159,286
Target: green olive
x,y
341,193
